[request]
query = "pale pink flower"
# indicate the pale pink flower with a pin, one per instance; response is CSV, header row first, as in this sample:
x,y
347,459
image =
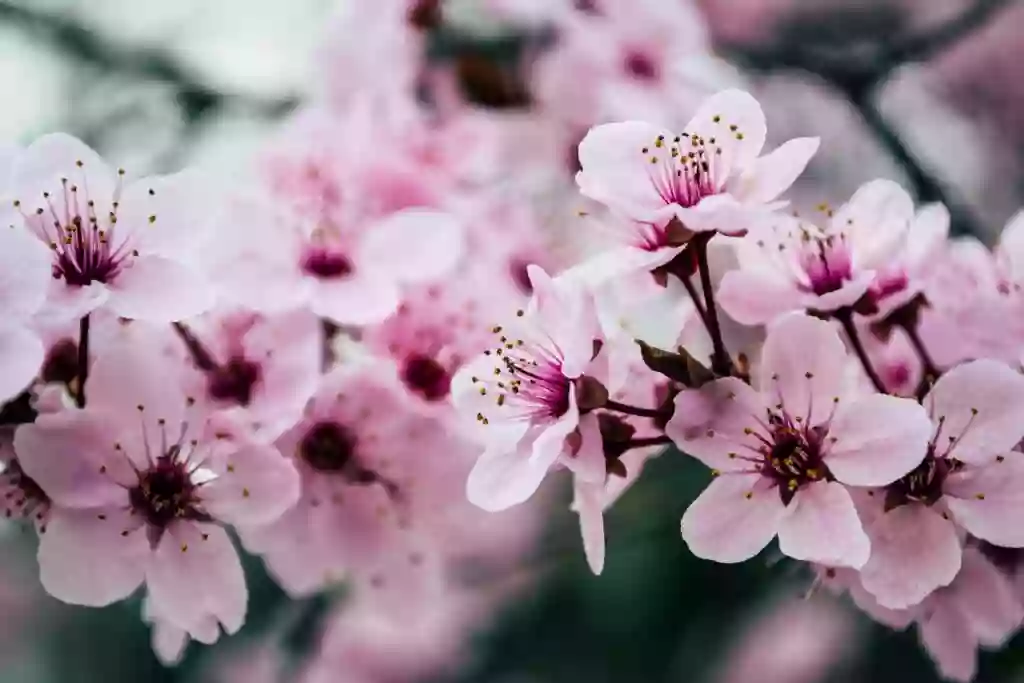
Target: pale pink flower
x,y
24,278
255,370
128,248
785,454
144,490
788,264
370,465
521,393
969,479
708,178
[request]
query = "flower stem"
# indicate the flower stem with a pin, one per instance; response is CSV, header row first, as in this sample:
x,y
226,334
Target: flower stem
x,y
845,318
720,361
632,410
931,371
661,440
83,360
698,303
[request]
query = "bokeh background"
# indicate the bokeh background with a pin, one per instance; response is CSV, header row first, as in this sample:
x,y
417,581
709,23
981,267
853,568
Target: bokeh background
x,y
927,92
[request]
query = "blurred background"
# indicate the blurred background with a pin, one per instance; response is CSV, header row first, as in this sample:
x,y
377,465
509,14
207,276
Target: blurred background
x,y
927,92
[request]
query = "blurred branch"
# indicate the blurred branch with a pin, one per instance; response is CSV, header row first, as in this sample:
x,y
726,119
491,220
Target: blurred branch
x,y
196,98
860,73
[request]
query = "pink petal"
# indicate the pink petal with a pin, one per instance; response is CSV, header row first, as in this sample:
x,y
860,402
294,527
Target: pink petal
x,y
953,648
565,312
256,486
725,525
69,455
729,108
986,597
469,402
757,298
25,273
803,364
55,156
771,175
414,245
988,500
360,299
913,552
21,355
981,406
618,262
171,215
588,463
709,423
168,642
502,478
928,234
159,290
84,559
616,171
877,439
588,502
847,295
195,574
824,527
875,220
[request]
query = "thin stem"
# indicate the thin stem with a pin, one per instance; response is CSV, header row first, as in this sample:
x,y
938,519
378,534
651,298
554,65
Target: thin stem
x,y
632,410
661,440
845,318
931,370
697,302
720,361
83,360
202,358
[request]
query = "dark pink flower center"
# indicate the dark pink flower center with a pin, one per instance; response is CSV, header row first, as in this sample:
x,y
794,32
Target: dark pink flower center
x,y
827,264
327,264
641,65
686,169
792,456
166,492
328,447
234,381
923,484
426,377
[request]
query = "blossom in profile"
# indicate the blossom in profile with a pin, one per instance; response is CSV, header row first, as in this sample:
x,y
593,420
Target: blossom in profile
x,y
142,493
128,247
785,454
790,264
522,395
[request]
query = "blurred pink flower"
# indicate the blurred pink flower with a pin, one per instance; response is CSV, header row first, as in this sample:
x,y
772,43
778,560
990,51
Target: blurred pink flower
x,y
143,490
969,479
522,394
129,248
24,278
786,454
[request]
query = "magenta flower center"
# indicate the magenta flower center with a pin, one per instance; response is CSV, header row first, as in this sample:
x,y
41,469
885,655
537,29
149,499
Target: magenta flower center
x,y
326,264
165,493
793,455
234,381
426,377
686,169
328,447
923,484
827,264
641,65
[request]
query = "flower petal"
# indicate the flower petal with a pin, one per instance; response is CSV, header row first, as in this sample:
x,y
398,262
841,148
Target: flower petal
x,y
25,273
414,245
735,119
21,355
986,597
588,501
256,487
710,423
875,220
980,408
988,500
85,560
877,439
946,636
360,299
757,298
502,478
195,574
159,290
803,365
824,527
913,552
771,175
733,519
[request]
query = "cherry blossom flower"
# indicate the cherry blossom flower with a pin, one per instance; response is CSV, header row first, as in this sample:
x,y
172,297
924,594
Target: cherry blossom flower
x,y
258,370
143,492
24,278
522,394
708,178
126,247
969,479
784,455
788,264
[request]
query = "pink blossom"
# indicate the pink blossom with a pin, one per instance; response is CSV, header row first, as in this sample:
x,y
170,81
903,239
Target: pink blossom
x,y
785,454
128,248
787,264
254,370
375,476
708,178
521,394
969,479
144,491
24,278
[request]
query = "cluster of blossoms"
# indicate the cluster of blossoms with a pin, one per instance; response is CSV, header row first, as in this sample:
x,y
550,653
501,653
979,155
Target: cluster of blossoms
x,y
335,364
